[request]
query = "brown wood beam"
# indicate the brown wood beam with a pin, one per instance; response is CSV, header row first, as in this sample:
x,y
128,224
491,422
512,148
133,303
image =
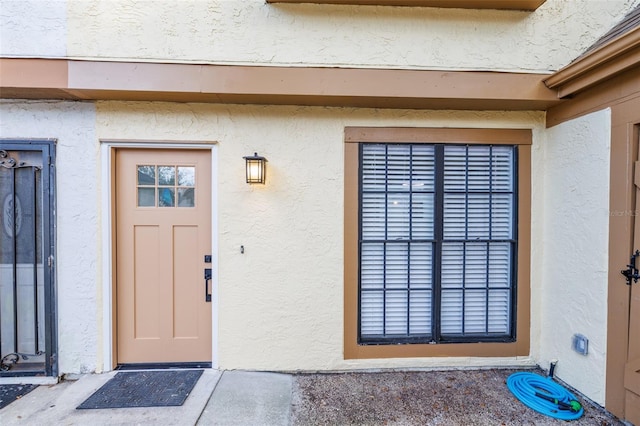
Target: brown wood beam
x,y
343,87
529,5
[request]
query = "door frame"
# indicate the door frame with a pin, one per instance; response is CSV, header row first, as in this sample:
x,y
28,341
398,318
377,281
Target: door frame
x,y
47,148
108,235
625,130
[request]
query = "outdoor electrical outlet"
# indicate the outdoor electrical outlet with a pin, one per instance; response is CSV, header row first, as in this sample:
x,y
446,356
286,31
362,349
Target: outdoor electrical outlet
x,y
580,344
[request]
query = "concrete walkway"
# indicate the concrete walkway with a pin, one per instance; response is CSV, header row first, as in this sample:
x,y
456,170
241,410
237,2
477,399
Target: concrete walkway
x,y
426,398
247,398
219,398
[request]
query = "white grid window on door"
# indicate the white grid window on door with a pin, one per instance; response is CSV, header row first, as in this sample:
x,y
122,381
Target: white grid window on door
x,y
166,186
437,243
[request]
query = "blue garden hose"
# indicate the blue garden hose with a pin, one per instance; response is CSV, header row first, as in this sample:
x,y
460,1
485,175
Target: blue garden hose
x,y
545,396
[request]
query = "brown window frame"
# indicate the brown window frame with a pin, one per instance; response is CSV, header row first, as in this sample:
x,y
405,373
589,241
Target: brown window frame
x,y
354,136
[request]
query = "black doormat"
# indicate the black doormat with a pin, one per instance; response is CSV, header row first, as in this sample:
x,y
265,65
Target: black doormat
x,y
144,389
9,393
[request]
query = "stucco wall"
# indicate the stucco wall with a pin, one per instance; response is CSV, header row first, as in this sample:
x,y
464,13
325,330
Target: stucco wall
x,y
281,302
33,28
575,250
254,32
77,246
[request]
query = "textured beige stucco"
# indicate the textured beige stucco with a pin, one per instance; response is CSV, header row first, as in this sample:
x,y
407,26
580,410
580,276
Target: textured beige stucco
x,y
281,302
72,124
33,28
576,255
254,32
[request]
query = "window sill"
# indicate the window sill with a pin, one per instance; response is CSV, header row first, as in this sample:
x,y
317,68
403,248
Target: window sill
x,y
439,350
529,5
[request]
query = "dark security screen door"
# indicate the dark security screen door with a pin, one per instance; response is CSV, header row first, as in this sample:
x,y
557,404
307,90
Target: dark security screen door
x,y
26,258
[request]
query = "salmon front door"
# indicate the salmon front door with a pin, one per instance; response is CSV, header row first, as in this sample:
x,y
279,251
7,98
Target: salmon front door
x,y
163,233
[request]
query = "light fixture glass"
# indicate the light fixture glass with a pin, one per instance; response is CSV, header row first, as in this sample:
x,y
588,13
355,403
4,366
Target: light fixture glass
x,y
256,168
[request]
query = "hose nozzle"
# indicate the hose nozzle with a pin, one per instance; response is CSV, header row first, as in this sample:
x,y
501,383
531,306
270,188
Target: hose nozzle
x,y
572,405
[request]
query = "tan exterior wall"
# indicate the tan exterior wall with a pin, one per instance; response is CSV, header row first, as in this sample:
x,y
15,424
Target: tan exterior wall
x,y
254,32
281,302
576,250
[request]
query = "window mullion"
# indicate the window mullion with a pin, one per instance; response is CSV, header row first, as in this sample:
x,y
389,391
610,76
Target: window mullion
x,y
438,224
466,237
490,192
515,239
488,265
410,239
386,238
466,194
486,289
360,237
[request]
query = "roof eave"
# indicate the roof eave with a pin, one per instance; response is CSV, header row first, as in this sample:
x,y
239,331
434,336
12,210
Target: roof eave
x,y
614,57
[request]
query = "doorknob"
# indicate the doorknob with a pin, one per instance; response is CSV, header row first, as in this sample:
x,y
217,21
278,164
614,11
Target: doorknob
x,y
207,278
632,273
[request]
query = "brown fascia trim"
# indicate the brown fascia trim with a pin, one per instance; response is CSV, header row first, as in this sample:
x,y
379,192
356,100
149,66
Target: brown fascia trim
x,y
596,67
343,87
613,91
529,5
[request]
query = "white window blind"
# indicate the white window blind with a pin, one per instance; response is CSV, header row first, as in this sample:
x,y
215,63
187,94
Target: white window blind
x,y
437,230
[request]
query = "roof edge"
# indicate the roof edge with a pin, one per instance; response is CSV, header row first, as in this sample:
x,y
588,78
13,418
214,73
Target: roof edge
x,y
598,65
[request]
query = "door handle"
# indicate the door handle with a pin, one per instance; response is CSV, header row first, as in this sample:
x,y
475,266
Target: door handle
x,y
632,273
207,279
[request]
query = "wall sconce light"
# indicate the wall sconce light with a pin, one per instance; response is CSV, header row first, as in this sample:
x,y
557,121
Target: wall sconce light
x,y
256,168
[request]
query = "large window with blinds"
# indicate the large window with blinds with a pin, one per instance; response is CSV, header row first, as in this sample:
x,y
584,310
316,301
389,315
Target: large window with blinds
x,y
437,243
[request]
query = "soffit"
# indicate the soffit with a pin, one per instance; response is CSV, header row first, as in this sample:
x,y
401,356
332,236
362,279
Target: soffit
x,y
462,4
342,87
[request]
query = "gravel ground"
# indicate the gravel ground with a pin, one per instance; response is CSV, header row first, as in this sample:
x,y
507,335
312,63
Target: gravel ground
x,y
461,397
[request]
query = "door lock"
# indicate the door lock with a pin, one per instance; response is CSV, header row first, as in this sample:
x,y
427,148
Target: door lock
x,y
207,279
632,273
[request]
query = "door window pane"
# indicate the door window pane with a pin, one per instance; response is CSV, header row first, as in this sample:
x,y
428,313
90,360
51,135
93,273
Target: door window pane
x,y
186,197
146,175
166,175
186,176
166,197
146,197
174,186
